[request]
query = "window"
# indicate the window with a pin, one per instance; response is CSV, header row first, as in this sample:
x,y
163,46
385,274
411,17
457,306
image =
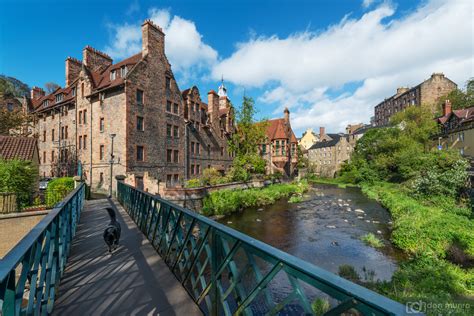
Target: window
x,y
192,169
85,142
175,108
168,180
44,156
62,132
176,178
44,136
168,130
192,147
222,151
66,134
112,75
101,124
123,71
168,106
198,169
209,150
176,131
52,134
198,148
82,90
168,84
59,97
52,156
169,154
80,117
84,119
101,152
80,142
45,103
264,149
101,178
139,97
139,183
73,91
176,156
140,153
140,126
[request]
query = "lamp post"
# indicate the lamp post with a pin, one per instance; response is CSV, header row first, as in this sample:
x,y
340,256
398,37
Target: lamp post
x,y
111,163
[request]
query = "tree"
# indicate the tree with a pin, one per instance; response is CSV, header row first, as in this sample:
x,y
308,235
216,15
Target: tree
x,y
10,86
460,99
51,87
13,122
246,141
18,176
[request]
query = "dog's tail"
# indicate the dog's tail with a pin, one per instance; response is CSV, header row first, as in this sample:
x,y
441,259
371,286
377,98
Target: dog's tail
x,y
111,212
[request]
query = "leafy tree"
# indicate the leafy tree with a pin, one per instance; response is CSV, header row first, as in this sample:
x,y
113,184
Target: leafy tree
x,y
13,121
303,161
13,87
20,177
460,99
245,142
51,87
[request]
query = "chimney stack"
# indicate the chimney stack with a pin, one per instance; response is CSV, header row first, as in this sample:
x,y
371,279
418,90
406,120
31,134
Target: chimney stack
x,y
447,109
94,59
36,93
213,106
153,38
287,116
322,131
73,68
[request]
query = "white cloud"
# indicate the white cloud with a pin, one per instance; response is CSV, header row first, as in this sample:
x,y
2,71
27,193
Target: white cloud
x,y
367,3
183,43
376,49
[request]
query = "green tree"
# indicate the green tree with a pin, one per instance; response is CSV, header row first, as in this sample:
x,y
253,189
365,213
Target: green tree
x,y
20,177
460,99
12,121
245,142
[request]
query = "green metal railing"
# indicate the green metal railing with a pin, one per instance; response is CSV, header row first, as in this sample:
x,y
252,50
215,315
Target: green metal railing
x,y
30,272
230,273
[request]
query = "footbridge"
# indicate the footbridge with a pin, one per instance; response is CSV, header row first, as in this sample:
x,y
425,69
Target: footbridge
x,y
171,261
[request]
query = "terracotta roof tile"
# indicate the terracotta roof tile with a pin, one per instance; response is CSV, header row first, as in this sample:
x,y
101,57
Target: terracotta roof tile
x,y
17,147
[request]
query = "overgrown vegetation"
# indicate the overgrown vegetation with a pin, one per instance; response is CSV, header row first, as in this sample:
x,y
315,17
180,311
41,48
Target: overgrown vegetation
x,y
460,98
424,189
224,202
371,240
18,176
58,189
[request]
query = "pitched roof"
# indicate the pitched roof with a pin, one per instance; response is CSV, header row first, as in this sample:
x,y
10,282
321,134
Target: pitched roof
x,y
464,114
17,147
276,130
335,138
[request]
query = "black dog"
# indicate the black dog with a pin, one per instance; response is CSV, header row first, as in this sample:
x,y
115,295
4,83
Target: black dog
x,y
112,232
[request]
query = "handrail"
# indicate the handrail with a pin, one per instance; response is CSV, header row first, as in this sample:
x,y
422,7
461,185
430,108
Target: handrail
x,y
30,272
227,272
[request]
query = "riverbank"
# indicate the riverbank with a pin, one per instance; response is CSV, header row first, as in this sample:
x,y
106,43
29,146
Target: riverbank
x,y
438,238
224,202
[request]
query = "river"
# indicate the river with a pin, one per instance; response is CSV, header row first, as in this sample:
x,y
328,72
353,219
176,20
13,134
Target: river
x,y
325,229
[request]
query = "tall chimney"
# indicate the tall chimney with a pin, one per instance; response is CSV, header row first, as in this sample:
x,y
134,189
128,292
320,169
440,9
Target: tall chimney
x,y
73,68
36,93
213,106
153,38
321,131
447,109
94,59
287,116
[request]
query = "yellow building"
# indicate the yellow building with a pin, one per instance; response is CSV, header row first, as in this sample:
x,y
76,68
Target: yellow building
x,y
308,139
457,130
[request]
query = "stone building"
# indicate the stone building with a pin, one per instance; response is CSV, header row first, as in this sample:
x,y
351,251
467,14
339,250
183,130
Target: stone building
x,y
425,93
308,139
135,104
208,129
456,130
280,149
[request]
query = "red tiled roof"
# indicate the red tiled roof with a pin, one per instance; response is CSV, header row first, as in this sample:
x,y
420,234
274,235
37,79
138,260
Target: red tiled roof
x,y
17,147
463,114
276,130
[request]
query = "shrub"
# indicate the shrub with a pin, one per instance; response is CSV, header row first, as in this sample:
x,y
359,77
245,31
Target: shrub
x,y
295,199
20,177
371,240
58,189
193,183
320,306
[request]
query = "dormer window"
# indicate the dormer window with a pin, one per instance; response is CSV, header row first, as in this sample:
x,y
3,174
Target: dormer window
x,y
112,75
123,71
45,103
59,97
73,91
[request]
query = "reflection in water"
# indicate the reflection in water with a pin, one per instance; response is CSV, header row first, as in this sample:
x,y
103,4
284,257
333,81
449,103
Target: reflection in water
x,y
325,229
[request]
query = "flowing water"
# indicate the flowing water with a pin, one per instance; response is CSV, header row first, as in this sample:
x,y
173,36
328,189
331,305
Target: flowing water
x,y
325,230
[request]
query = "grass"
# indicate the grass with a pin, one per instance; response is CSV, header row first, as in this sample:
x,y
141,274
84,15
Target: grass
x,y
371,240
295,199
224,202
320,306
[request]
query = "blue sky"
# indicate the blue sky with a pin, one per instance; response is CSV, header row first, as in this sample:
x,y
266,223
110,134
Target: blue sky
x,y
329,61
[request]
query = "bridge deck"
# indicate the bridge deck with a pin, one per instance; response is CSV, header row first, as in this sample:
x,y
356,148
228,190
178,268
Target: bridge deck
x,y
134,280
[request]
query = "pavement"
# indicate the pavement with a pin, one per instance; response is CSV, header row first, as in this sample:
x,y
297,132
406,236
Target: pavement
x,y
134,280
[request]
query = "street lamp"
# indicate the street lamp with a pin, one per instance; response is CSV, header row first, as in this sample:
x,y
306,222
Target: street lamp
x,y
111,163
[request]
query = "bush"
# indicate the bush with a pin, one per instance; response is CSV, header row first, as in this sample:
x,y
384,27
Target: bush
x,y
320,306
20,177
371,240
58,189
194,183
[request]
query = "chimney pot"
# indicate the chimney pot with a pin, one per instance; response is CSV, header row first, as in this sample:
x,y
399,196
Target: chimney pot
x,y
322,131
447,108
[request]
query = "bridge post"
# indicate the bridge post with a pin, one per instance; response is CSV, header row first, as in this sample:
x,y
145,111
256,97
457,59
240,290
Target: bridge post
x,y
119,178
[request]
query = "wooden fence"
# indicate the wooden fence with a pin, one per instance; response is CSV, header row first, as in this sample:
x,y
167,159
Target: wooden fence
x,y
8,203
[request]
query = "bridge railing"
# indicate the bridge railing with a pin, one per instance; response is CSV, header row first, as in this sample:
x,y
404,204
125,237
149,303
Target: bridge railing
x,y
229,273
30,272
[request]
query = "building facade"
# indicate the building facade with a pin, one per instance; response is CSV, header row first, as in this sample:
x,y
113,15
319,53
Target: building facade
x,y
308,139
135,106
426,93
456,130
280,147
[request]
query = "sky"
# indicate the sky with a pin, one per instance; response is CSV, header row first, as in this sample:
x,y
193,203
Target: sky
x,y
329,61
